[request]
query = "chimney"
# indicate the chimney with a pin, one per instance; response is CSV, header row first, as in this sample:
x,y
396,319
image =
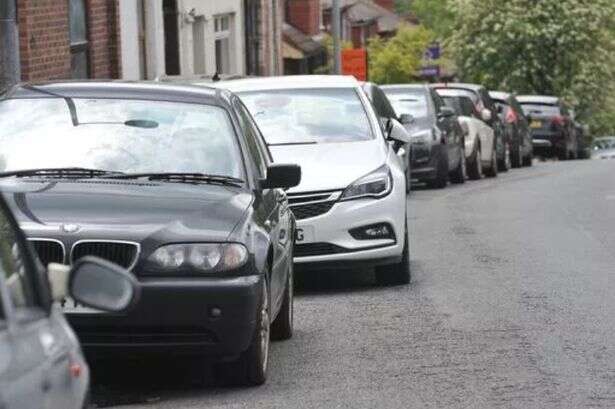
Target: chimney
x,y
304,15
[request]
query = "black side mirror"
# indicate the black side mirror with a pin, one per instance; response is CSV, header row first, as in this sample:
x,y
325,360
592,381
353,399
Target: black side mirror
x,y
446,112
282,176
406,119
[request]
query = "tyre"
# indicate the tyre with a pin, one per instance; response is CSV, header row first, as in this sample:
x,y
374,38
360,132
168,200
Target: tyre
x,y
504,164
459,175
398,273
493,167
475,165
251,367
517,156
282,326
529,159
441,179
562,154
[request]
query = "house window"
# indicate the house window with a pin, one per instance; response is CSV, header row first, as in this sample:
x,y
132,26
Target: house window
x,y
80,66
223,35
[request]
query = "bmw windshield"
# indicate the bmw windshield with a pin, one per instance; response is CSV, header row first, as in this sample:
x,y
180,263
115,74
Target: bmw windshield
x,y
298,116
128,136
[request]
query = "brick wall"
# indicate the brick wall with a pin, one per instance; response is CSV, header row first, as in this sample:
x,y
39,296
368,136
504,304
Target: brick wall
x,y
304,15
43,39
45,42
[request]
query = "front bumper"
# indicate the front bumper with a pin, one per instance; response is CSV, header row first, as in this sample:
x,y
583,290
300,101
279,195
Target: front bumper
x,y
175,314
327,241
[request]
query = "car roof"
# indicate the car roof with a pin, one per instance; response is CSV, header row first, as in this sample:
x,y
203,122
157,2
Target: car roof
x,y
539,99
500,95
461,85
286,82
122,89
423,87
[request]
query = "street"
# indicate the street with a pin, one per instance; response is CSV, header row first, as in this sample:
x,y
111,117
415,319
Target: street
x,y
511,306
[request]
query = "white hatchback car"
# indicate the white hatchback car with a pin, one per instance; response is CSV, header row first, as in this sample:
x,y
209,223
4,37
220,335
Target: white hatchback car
x,y
351,204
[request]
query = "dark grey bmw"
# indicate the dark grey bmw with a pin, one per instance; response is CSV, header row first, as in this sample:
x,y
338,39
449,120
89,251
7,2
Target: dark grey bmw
x,y
173,183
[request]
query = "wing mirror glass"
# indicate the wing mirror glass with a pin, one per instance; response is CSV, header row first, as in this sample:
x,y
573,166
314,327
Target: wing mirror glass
x,y
406,119
397,134
486,114
282,176
94,283
446,112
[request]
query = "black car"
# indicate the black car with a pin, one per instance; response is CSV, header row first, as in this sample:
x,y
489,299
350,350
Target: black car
x,y
438,146
391,122
173,183
517,127
488,112
552,126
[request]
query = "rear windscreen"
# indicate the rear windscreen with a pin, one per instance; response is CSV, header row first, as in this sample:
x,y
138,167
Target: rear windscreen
x,y
540,109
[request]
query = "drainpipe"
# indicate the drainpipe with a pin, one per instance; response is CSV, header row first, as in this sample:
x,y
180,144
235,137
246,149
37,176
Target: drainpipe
x,y
9,45
336,28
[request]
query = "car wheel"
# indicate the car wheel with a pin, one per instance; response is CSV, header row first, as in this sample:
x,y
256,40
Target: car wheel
x,y
529,159
282,326
441,179
504,164
251,367
493,168
562,154
398,273
459,174
517,156
475,166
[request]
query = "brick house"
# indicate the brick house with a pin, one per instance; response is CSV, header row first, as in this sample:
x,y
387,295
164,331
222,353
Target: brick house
x,y
68,39
302,48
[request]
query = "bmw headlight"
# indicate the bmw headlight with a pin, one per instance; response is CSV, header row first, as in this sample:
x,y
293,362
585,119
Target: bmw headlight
x,y
204,258
376,184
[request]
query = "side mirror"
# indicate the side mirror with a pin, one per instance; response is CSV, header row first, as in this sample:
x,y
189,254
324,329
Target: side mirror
x,y
486,115
406,119
282,176
500,109
398,134
446,112
95,283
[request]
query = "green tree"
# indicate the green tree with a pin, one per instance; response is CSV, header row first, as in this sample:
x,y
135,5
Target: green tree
x,y
557,47
436,15
398,59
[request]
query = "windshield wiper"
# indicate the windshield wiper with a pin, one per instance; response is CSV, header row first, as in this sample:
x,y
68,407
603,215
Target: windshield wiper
x,y
194,178
69,173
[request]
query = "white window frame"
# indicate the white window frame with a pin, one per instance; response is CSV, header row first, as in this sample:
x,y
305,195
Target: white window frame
x,y
223,30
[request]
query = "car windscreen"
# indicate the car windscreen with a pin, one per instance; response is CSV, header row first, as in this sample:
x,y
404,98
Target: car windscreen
x,y
540,109
314,115
458,92
118,135
603,144
408,101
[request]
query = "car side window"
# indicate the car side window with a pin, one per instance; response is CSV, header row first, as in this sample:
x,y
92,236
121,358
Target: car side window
x,y
385,106
437,100
13,266
252,137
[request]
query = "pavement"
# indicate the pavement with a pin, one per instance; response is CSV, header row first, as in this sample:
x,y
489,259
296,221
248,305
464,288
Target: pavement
x,y
512,305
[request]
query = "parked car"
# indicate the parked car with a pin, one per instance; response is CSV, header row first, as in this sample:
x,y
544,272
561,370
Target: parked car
x,y
173,183
552,126
488,113
603,148
389,120
584,140
516,126
479,138
438,151
351,203
41,363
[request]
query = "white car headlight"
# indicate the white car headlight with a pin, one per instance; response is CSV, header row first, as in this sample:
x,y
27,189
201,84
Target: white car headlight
x,y
205,258
376,184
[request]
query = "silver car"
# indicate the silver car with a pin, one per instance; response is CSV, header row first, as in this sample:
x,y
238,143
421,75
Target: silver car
x,y
41,364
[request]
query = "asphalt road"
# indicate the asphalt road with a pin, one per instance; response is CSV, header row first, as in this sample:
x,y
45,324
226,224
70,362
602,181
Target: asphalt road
x,y
512,305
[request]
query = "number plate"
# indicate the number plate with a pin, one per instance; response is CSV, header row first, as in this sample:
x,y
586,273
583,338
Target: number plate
x,y
305,234
536,124
73,307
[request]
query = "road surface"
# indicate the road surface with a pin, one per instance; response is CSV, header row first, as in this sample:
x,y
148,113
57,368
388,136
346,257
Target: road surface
x,y
512,305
